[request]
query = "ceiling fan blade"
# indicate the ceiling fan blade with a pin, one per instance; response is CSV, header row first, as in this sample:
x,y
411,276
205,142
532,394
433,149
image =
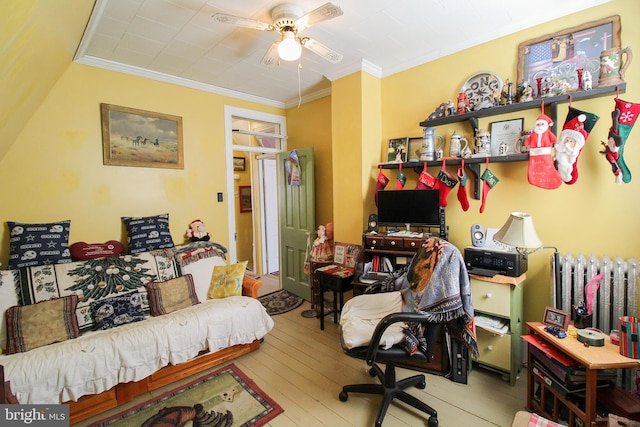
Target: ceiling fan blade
x,y
322,50
242,22
271,56
323,13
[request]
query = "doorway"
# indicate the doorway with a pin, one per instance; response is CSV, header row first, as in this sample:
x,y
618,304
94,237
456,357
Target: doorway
x,y
252,141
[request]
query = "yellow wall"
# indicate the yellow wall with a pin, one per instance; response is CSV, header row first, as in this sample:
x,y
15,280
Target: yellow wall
x,y
54,169
37,41
310,126
593,216
244,220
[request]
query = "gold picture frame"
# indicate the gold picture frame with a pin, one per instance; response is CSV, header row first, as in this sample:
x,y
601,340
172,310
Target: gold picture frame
x,y
560,54
133,137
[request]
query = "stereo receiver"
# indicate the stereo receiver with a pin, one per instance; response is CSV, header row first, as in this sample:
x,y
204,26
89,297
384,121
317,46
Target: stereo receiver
x,y
490,262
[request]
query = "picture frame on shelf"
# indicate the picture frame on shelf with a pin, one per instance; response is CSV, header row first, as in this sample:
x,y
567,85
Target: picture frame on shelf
x,y
397,150
505,132
244,198
413,153
559,55
555,317
133,137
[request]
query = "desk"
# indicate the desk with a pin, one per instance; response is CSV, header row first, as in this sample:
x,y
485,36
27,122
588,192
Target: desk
x,y
337,279
592,358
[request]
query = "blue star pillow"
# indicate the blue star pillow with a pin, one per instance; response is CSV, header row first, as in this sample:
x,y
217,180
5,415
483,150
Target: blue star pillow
x,y
38,244
148,233
117,310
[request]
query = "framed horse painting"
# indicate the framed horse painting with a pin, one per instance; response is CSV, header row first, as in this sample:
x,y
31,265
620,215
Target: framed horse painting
x,y
132,137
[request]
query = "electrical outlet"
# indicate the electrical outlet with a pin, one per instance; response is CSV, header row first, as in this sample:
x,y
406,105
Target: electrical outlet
x,y
219,197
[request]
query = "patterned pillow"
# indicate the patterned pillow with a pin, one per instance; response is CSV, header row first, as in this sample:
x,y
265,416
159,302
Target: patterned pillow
x,y
117,310
37,325
38,244
148,233
171,295
227,280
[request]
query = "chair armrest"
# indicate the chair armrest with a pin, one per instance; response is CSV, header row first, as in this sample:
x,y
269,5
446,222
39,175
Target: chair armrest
x,y
431,333
250,287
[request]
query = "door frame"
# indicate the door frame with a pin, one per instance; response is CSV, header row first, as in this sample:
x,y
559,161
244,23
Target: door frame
x,y
229,113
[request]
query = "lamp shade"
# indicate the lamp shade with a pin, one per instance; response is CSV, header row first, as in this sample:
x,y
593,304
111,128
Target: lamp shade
x,y
520,233
289,48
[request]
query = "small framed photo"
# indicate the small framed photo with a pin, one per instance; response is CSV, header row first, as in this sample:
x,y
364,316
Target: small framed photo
x,y
415,145
505,132
555,317
397,150
239,163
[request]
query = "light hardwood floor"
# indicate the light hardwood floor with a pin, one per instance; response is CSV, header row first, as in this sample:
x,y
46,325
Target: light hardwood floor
x,y
303,369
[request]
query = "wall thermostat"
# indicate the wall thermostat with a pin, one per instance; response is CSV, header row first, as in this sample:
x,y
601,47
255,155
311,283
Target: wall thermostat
x,y
478,235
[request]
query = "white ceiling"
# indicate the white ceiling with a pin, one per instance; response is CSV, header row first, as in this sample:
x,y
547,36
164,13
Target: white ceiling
x,y
177,41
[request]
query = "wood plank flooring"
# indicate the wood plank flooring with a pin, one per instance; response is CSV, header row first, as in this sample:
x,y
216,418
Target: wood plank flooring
x,y
303,369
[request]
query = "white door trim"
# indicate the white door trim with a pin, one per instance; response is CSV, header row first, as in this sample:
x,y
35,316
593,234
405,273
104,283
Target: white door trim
x,y
229,113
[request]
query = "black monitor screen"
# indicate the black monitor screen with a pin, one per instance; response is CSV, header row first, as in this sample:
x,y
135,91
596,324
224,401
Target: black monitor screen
x,y
415,207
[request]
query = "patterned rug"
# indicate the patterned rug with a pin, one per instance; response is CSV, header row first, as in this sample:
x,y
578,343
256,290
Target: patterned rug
x,y
226,397
280,301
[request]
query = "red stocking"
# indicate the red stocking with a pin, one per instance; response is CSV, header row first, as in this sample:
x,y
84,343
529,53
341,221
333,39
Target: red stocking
x,y
425,180
445,183
489,180
381,182
462,190
401,180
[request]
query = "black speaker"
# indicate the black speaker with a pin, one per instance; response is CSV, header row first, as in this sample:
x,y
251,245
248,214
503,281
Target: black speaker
x,y
478,235
372,227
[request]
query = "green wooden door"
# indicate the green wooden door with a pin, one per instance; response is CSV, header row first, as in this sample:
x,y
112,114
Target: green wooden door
x,y
297,222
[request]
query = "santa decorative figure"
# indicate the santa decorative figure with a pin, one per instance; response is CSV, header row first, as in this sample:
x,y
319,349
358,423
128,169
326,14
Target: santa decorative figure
x,y
197,231
574,134
541,171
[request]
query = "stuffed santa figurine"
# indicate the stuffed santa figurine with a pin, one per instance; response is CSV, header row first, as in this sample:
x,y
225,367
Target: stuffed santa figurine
x,y
197,231
541,172
575,132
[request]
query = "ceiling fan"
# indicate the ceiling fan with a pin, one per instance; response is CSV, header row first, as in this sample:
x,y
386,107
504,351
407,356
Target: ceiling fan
x,y
290,20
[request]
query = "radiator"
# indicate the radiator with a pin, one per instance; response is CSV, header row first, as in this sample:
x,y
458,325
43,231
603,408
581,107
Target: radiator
x,y
618,292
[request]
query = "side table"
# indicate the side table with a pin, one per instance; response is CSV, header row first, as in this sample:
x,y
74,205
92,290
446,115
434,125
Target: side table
x,y
338,280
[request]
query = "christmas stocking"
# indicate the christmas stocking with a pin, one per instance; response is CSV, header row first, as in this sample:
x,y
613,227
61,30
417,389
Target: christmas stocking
x,y
425,180
574,134
462,190
489,180
401,180
621,127
445,183
381,182
541,172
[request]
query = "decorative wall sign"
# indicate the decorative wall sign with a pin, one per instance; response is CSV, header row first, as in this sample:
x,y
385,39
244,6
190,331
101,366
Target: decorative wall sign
x,y
132,137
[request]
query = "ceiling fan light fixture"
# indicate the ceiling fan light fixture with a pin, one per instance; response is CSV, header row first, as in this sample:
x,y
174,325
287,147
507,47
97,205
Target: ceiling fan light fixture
x,y
289,49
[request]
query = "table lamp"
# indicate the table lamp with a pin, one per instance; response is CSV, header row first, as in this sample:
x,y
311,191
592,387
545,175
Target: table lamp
x,y
518,232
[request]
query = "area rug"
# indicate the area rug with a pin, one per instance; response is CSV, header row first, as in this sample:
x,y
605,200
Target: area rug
x,y
280,301
226,397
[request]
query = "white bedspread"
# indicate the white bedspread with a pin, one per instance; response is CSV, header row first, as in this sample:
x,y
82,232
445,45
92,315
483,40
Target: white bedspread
x,y
97,361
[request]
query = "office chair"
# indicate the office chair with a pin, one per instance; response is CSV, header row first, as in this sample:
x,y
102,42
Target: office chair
x,y
389,387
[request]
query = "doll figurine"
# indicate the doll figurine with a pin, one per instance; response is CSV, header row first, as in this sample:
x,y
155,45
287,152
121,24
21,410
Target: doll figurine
x,y
197,231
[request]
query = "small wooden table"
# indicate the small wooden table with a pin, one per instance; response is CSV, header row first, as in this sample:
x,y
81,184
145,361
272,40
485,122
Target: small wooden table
x,y
592,358
337,279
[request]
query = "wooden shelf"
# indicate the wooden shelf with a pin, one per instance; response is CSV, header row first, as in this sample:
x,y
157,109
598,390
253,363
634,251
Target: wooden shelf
x,y
473,164
521,106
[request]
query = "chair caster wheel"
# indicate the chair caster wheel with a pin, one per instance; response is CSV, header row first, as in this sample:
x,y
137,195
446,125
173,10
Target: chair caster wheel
x,y
433,422
343,396
372,372
422,385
